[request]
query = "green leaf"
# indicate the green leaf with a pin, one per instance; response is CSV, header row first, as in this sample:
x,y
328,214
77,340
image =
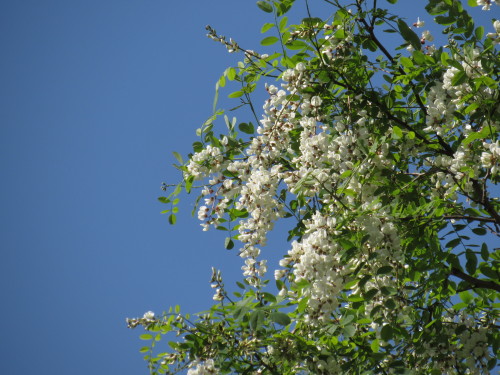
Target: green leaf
x,y
349,331
311,21
479,32
388,290
146,336
240,312
444,58
269,40
282,24
386,333
390,304
189,184
466,297
406,62
479,231
296,44
231,74
484,133
436,7
370,294
340,34
346,174
472,3
246,128
445,20
280,318
459,78
265,6
396,132
471,107
489,272
164,200
266,27
229,243
178,157
235,213
384,270
197,146
269,297
471,264
459,306
172,219
256,319
453,243
222,81
236,94
484,252
375,346
409,35
419,57
346,319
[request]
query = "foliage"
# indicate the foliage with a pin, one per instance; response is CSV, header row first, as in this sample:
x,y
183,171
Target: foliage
x,y
383,160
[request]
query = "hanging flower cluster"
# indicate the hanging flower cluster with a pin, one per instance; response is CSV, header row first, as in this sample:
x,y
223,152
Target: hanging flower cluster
x,y
386,168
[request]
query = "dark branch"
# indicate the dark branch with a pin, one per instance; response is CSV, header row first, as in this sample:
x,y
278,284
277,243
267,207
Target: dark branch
x,y
472,218
478,283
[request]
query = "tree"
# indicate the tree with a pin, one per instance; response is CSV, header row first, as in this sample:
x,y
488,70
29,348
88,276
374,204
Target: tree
x,y
383,159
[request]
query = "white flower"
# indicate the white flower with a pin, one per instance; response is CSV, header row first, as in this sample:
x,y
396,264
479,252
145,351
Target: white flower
x,y
218,296
427,36
495,37
419,23
278,274
203,213
149,315
301,67
486,4
203,368
316,101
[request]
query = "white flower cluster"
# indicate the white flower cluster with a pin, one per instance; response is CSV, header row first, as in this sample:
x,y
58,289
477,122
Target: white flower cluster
x,y
495,37
206,367
147,319
466,351
258,176
336,48
316,259
486,4
490,157
149,315
443,99
205,162
326,154
331,164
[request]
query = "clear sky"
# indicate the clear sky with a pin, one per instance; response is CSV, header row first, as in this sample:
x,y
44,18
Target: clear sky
x,y
95,96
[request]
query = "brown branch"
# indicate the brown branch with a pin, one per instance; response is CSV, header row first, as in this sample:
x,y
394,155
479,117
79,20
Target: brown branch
x,y
478,283
476,218
484,201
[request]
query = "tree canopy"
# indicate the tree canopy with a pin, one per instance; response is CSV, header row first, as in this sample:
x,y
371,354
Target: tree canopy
x,y
382,159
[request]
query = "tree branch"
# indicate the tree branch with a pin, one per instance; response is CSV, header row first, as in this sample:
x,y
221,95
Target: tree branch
x,y
475,218
474,281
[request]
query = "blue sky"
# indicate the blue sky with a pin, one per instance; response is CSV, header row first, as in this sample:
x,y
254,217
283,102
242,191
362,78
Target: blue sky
x,y
95,96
